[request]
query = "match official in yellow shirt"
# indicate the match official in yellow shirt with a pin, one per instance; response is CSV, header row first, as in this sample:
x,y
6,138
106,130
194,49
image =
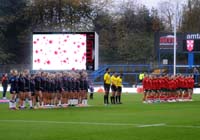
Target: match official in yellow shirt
x,y
119,89
107,81
113,87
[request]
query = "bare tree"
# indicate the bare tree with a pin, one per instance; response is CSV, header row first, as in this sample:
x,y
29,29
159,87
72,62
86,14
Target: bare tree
x,y
191,19
167,13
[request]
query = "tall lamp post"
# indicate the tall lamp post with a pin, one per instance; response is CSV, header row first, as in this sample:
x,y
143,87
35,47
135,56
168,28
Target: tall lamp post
x,y
175,22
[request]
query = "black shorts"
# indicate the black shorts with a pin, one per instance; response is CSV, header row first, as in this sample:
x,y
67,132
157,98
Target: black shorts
x,y
21,91
173,90
114,88
32,93
165,90
119,89
107,87
13,91
185,89
26,89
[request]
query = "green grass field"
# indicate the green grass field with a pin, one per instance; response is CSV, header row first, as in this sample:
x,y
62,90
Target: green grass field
x,y
132,120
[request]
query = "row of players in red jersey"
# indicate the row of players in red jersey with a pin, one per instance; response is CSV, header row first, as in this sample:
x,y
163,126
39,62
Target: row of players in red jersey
x,y
167,88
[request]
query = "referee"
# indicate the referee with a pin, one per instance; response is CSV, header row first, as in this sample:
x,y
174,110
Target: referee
x,y
106,85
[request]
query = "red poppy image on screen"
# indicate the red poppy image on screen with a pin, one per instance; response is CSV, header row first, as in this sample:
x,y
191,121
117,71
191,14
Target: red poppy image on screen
x,y
59,52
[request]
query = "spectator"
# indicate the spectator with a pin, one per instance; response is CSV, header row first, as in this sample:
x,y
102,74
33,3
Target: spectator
x,y
91,89
141,77
196,73
4,81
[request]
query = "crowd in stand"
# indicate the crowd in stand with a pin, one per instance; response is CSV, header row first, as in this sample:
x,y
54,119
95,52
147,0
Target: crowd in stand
x,y
167,88
44,89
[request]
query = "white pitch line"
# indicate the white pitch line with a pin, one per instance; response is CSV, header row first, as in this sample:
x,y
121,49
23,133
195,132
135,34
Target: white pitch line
x,y
62,122
183,126
105,124
152,125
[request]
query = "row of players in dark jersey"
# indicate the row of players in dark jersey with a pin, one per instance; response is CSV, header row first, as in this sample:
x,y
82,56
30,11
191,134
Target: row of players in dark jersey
x,y
48,89
167,88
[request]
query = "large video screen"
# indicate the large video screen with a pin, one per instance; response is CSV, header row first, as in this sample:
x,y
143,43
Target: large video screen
x,y
59,51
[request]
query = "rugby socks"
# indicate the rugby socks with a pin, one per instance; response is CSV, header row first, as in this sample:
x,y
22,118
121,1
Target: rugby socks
x,y
42,104
24,104
69,102
10,104
14,104
38,104
37,99
91,95
85,101
73,101
107,99
59,102
114,100
76,101
30,103
105,102
119,97
111,99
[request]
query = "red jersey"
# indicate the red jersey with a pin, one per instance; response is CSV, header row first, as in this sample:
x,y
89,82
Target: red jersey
x,y
172,84
144,83
166,83
191,82
154,84
178,79
159,86
181,82
162,83
186,83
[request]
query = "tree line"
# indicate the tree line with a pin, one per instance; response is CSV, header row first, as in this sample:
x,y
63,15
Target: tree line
x,y
126,31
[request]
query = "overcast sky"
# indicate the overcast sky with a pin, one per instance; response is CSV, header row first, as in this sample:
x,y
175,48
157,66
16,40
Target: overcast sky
x,y
151,3
154,3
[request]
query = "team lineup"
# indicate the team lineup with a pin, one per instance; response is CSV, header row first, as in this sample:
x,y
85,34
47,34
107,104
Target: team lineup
x,y
167,88
61,89
45,89
70,88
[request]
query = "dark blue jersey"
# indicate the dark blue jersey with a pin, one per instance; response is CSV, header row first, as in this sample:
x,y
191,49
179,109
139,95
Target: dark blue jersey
x,y
27,84
38,83
65,83
48,85
43,83
52,85
59,84
32,85
69,81
21,84
77,86
73,84
86,85
82,84
13,84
